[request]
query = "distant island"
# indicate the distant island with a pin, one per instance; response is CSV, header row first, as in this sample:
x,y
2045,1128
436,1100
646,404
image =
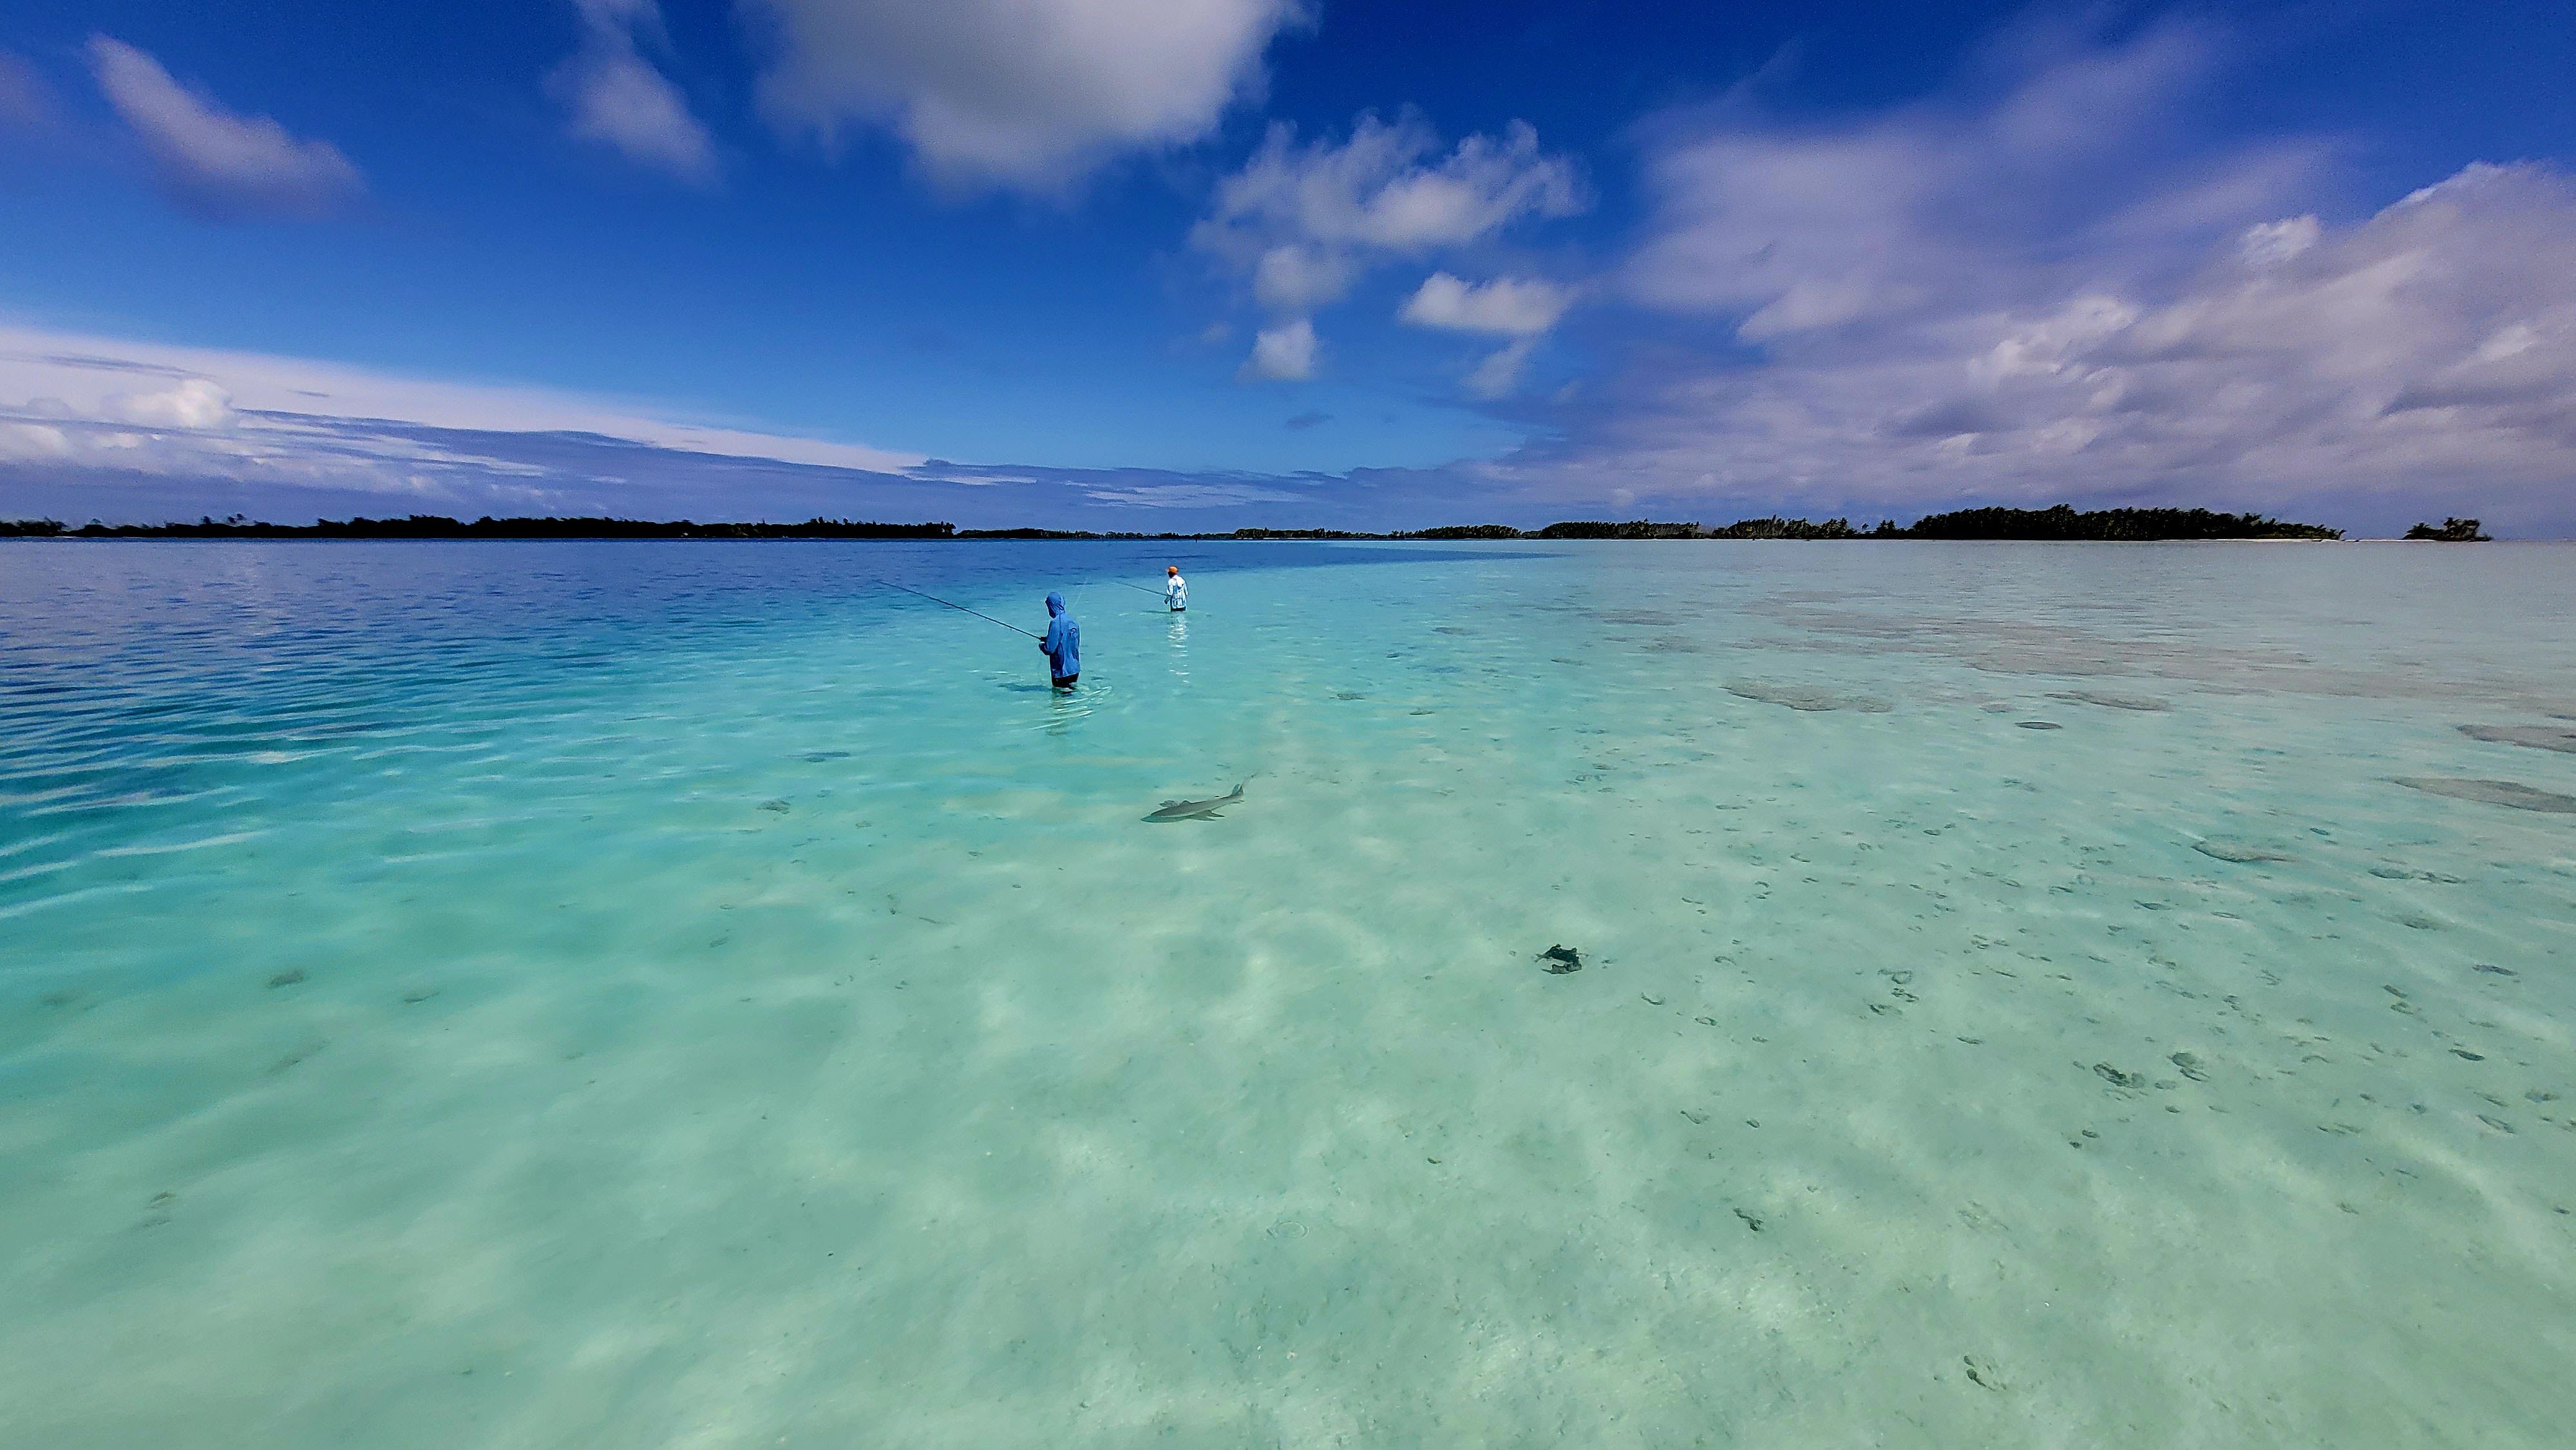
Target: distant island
x,y
2452,531
2062,523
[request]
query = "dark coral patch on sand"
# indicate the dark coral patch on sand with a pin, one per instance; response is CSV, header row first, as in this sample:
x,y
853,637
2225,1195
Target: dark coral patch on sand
x,y
2538,737
2104,698
2243,852
1807,697
2493,792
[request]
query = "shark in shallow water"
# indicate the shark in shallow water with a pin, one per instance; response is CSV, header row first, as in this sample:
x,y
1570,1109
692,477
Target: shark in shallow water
x,y
1195,810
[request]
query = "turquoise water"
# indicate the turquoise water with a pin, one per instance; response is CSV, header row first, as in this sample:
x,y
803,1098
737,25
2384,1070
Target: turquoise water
x,y
690,995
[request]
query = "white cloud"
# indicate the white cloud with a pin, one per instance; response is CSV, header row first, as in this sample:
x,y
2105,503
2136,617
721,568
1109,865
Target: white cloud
x,y
1305,222
618,99
210,160
1386,189
151,409
1504,307
194,403
2269,244
2077,164
1022,93
1500,372
1294,278
1984,300
1285,353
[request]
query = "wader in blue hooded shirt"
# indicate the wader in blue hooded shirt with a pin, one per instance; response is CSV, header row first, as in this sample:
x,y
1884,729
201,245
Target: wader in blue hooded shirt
x,y
1063,643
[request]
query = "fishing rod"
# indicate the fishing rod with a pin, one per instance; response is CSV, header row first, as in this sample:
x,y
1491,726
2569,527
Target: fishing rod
x,y
979,614
1139,588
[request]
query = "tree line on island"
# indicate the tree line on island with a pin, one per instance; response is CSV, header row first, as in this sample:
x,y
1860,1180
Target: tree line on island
x,y
2062,523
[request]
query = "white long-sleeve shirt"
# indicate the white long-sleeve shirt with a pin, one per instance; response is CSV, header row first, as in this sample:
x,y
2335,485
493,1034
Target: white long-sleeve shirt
x,y
1176,593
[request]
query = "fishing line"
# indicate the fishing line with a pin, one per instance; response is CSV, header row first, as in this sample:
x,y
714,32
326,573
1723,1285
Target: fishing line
x,y
962,609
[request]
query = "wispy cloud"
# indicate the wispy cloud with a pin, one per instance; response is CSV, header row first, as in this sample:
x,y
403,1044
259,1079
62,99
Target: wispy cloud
x,y
618,99
212,161
26,102
2052,288
1018,93
108,406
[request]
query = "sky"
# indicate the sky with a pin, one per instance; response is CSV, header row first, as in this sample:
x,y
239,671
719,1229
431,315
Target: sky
x,y
1200,264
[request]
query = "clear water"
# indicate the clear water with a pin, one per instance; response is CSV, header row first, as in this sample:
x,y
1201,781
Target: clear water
x,y
641,995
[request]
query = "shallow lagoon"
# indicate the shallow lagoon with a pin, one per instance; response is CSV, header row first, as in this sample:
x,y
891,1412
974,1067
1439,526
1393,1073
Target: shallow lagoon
x,y
686,994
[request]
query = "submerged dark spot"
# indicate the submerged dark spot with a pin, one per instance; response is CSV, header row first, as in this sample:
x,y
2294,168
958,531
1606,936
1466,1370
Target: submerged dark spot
x,y
2499,971
2110,701
2404,873
418,995
1633,616
2537,737
1348,695
781,807
2117,1078
1982,1376
2471,1056
2243,852
2039,724
1449,629
1807,697
1750,1221
819,756
287,978
2493,792
2189,1066
2499,1124
1562,959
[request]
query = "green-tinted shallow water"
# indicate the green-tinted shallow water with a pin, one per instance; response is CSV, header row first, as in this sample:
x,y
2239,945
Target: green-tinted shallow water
x,y
643,995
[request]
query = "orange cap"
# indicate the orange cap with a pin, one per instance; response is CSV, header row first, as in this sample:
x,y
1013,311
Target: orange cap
x,y
1171,568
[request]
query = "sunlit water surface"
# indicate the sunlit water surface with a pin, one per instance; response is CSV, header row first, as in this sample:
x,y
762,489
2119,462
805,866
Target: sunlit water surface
x,y
663,994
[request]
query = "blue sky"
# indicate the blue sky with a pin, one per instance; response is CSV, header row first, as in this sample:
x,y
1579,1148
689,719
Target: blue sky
x,y
1201,263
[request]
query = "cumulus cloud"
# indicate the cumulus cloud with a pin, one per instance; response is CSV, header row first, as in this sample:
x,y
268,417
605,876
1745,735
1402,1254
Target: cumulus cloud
x,y
1386,189
1522,309
211,161
2020,295
193,403
1504,307
1306,221
618,99
1020,93
1285,353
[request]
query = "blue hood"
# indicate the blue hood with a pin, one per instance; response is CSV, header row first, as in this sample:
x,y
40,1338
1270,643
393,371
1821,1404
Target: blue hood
x,y
1063,642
